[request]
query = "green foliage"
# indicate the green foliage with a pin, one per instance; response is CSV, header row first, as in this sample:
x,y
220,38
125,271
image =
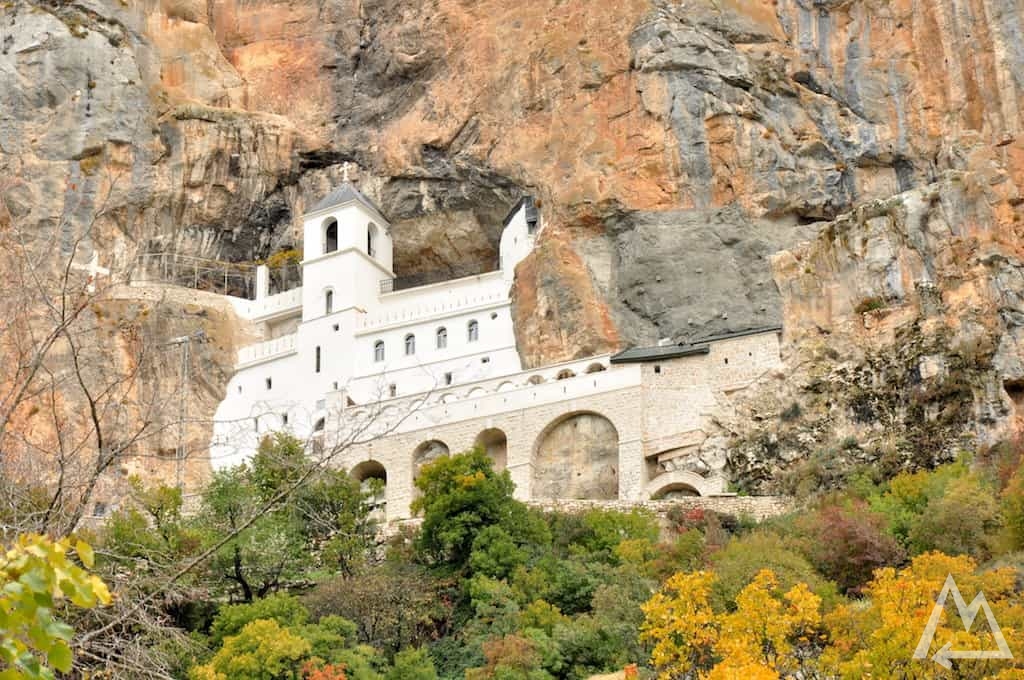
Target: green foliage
x,y
1012,502
740,561
262,650
37,574
231,619
461,496
412,664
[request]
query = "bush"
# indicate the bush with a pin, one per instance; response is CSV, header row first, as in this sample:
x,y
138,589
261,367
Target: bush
x,y
739,562
231,619
846,543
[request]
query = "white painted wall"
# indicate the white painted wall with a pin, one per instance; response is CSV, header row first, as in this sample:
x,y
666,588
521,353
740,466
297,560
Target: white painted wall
x,y
361,316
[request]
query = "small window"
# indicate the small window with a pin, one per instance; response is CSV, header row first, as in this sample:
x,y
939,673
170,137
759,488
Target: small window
x,y
337,327
239,389
317,358
473,331
335,384
447,378
284,418
727,360
393,390
410,345
269,382
331,236
371,239
328,302
485,360
657,368
378,350
442,337
319,425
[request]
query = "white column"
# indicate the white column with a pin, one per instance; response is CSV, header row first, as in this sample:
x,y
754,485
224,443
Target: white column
x,y
262,282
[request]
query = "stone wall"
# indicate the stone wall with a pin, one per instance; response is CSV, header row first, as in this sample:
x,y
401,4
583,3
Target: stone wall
x,y
756,507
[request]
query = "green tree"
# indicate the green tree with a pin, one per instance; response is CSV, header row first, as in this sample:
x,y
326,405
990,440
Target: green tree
x,y
36,575
461,496
412,664
262,650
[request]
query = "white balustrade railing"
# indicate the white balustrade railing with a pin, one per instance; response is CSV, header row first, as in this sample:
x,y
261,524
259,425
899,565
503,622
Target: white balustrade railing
x,y
262,351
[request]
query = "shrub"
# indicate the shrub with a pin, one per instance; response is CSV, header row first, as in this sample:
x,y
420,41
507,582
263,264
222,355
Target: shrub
x,y
846,543
231,619
870,304
740,561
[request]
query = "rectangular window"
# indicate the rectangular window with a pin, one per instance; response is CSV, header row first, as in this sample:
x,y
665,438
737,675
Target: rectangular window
x,y
284,418
447,378
393,390
318,358
269,383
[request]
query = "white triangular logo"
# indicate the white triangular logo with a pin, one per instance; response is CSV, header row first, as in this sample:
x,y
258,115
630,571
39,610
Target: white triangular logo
x,y
967,614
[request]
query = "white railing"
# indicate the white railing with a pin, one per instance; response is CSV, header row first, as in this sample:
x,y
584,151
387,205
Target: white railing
x,y
290,300
424,311
262,351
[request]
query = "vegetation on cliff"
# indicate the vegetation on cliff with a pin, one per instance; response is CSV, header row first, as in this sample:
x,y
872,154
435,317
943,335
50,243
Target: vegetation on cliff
x,y
488,588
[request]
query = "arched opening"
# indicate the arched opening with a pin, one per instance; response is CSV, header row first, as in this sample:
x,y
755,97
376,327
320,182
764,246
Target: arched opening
x,y
328,301
564,374
378,350
371,239
410,345
577,456
495,444
677,490
595,368
330,235
373,479
442,337
427,452
473,331
535,379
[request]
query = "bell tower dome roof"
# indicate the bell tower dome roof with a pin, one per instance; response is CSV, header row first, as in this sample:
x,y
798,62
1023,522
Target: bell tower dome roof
x,y
343,194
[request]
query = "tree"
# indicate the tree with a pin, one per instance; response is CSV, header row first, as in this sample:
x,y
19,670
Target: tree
x,y
879,636
769,635
412,664
262,650
461,496
37,574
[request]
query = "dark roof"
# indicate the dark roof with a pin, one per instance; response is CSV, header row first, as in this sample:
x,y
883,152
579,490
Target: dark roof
x,y
702,346
740,334
531,210
636,354
345,194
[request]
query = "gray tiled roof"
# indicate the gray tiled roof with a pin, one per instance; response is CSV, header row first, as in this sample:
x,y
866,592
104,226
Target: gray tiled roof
x,y
344,194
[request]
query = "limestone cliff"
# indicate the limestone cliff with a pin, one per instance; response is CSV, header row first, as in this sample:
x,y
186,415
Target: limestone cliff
x,y
673,146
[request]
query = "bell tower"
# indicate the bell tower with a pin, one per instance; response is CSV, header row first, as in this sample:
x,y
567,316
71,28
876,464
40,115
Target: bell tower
x,y
347,252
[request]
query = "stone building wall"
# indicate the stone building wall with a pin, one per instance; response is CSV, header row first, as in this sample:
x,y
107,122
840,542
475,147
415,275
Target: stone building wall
x,y
664,410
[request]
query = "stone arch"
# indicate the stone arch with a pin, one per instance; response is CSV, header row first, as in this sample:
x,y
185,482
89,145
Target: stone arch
x,y
505,386
428,452
494,443
373,478
678,483
577,456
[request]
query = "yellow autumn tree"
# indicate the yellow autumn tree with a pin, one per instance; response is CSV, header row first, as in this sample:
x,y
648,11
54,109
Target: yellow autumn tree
x,y
877,637
679,621
770,635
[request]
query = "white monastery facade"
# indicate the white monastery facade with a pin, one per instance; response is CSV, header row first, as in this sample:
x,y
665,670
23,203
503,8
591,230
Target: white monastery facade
x,y
386,378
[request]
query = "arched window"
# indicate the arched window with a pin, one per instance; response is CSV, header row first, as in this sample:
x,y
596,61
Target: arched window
x,y
319,425
328,301
331,236
410,344
378,350
371,239
442,337
473,331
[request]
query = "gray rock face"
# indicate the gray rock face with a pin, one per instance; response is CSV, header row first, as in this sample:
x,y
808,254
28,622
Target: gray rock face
x,y
687,274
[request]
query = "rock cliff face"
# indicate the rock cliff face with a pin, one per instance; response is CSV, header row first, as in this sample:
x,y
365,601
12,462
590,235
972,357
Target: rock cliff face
x,y
673,147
